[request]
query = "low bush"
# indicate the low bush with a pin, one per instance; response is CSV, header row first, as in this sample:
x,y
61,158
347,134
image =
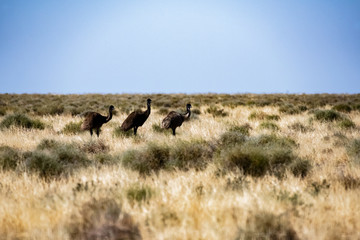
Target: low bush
x,y
258,156
9,158
72,128
346,124
265,225
342,108
182,155
21,120
53,159
102,219
327,115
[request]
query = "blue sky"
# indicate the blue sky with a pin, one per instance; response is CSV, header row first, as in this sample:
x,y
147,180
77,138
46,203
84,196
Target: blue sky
x,y
184,46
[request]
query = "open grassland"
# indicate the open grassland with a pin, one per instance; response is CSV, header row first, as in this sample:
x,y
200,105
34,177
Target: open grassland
x,y
244,167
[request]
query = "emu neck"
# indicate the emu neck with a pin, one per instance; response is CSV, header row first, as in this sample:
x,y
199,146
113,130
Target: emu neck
x,y
187,114
109,117
148,110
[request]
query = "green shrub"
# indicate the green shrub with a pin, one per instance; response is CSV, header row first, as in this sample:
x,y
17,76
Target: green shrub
x,y
261,155
52,159
269,125
265,225
327,115
9,158
139,194
231,138
21,120
182,155
216,112
151,158
346,123
72,128
342,108
190,154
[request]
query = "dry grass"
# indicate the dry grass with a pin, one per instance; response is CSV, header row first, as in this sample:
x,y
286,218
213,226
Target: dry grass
x,y
192,204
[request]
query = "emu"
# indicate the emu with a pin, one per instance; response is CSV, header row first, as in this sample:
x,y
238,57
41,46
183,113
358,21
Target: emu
x,y
137,118
174,119
94,120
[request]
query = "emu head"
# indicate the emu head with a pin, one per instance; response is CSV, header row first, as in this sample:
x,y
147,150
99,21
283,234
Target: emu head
x,y
188,106
111,108
148,101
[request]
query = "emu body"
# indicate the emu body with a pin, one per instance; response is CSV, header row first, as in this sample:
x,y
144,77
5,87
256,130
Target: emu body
x,y
175,119
137,118
94,120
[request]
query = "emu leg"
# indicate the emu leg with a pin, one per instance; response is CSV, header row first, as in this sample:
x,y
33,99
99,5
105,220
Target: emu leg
x,y
174,131
91,132
98,131
135,130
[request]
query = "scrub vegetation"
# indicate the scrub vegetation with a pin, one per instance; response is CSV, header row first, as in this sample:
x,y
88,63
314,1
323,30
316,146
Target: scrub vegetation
x,y
243,167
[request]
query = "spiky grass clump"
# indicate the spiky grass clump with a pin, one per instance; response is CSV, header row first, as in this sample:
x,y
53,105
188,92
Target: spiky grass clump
x,y
72,128
21,120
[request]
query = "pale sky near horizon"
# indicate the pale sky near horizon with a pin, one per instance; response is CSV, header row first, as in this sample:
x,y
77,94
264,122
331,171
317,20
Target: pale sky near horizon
x,y
184,46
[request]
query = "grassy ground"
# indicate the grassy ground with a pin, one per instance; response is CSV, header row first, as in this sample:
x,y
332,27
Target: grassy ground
x,y
241,171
